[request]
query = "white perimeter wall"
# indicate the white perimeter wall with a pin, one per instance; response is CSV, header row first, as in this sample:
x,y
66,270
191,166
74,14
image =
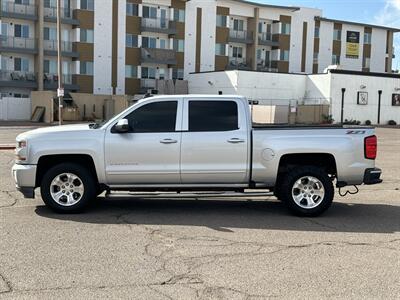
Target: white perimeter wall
x,y
254,85
372,85
319,88
102,72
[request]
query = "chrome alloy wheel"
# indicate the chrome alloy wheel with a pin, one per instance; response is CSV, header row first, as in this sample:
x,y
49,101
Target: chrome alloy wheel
x,y
67,189
308,192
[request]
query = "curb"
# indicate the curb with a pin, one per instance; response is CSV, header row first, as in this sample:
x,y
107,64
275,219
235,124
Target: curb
x,y
7,147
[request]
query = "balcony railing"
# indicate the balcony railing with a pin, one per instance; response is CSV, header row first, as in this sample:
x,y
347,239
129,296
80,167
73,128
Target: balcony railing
x,y
159,56
9,75
241,36
266,38
9,8
52,79
148,83
11,42
237,63
161,25
51,45
51,12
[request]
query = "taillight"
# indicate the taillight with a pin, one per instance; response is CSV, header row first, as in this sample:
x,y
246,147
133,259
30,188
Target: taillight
x,y
370,147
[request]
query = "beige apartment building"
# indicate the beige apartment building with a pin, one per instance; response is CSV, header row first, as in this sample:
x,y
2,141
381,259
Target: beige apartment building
x,y
128,47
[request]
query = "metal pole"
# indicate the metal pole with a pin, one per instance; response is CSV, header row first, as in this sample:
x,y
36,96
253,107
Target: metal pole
x,y
342,111
379,106
59,63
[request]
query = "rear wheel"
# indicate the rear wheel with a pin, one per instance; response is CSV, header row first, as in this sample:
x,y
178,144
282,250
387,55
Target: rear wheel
x,y
307,191
68,188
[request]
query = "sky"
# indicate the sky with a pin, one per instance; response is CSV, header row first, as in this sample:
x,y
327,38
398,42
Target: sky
x,y
380,12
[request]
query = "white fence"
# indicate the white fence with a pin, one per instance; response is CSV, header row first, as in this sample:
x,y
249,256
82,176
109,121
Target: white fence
x,y
15,109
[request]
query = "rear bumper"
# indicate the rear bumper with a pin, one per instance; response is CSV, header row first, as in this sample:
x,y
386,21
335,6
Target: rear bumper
x,y
372,176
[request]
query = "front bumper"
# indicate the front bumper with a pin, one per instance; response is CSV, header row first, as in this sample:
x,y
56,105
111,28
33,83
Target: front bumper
x,y
372,176
25,179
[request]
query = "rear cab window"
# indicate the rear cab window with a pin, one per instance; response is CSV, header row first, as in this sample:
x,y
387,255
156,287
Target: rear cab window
x,y
206,116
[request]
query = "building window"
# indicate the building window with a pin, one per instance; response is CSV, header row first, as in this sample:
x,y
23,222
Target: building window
x,y
21,31
285,28
260,27
335,59
4,29
131,40
316,32
132,9
148,73
177,74
21,64
366,62
220,49
24,2
337,35
237,52
238,25
149,12
149,42
179,45
367,38
315,59
179,15
221,21
50,66
87,4
130,71
87,36
86,68
50,34
284,55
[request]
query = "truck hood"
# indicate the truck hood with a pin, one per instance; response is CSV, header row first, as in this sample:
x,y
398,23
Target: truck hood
x,y
53,130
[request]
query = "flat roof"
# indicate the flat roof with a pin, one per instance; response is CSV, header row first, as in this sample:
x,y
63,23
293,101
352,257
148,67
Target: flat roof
x,y
357,24
292,8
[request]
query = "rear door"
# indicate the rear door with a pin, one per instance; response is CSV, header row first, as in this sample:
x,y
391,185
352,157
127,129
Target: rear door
x,y
214,142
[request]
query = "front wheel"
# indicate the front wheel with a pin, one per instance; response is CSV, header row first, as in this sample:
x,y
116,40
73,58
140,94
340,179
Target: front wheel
x,y
68,188
307,191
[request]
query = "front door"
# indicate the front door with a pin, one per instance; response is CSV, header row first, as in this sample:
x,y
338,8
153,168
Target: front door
x,y
214,142
149,152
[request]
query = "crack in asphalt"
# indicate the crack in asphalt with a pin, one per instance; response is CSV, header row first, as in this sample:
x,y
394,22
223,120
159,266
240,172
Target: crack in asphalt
x,y
8,284
10,196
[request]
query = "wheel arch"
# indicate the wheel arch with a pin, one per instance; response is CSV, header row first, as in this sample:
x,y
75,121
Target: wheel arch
x,y
45,162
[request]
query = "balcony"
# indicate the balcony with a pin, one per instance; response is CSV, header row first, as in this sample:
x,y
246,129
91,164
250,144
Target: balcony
x,y
18,79
265,66
67,17
158,56
17,44
240,36
265,39
236,63
51,82
18,11
50,48
158,25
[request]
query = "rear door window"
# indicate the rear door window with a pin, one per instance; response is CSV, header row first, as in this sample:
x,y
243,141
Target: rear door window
x,y
213,116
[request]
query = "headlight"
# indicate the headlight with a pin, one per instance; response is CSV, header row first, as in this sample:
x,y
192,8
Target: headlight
x,y
20,151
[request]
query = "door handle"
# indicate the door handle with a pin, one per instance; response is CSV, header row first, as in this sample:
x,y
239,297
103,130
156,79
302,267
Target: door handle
x,y
168,141
236,141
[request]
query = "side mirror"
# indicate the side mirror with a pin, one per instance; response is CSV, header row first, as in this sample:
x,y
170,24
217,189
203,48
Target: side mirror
x,y
122,126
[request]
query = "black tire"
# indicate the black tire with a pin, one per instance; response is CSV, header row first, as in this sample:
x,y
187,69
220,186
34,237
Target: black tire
x,y
86,177
290,180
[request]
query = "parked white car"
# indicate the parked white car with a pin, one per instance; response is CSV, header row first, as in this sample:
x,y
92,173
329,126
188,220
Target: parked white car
x,y
190,143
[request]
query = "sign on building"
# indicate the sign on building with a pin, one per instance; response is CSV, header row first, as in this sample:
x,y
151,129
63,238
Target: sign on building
x,y
352,44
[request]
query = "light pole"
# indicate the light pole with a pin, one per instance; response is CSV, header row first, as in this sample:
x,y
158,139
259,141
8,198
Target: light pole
x,y
60,90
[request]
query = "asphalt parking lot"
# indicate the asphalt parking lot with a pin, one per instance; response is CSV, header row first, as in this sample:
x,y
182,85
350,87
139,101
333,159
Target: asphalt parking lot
x,y
204,249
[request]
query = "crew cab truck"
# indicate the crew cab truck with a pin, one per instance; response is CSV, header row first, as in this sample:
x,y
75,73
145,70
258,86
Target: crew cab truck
x,y
192,143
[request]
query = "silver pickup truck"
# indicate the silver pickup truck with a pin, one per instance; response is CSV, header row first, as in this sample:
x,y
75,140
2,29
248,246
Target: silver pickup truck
x,y
193,143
